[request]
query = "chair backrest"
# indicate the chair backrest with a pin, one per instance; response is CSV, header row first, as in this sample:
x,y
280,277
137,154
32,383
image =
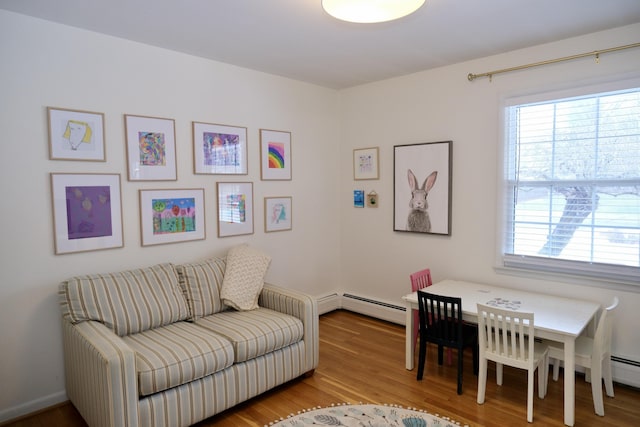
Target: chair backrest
x,y
602,337
503,336
420,279
440,318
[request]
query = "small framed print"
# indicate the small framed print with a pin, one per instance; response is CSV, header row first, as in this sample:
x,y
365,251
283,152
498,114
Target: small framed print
x,y
277,214
235,208
171,216
372,199
219,149
275,155
151,148
358,198
87,212
365,163
76,135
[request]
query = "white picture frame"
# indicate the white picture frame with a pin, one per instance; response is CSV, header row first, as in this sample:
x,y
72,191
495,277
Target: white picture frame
x,y
172,216
219,149
278,214
76,135
235,208
151,148
87,212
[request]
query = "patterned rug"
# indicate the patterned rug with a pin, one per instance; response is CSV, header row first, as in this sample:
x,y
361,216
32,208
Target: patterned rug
x,y
364,415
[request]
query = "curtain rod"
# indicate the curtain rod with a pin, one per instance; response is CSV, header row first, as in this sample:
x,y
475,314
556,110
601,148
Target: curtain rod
x,y
471,77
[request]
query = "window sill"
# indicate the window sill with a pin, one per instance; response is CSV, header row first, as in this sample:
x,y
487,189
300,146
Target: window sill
x,y
618,285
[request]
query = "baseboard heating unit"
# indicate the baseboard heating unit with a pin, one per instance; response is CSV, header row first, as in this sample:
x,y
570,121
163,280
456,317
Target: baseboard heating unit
x,y
374,308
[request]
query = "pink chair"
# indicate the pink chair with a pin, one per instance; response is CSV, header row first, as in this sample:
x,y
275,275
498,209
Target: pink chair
x,y
420,280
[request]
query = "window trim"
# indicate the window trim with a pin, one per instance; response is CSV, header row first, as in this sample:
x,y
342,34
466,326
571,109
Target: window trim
x,y
619,277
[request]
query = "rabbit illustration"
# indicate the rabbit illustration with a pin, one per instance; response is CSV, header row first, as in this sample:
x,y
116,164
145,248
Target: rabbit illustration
x,y
418,219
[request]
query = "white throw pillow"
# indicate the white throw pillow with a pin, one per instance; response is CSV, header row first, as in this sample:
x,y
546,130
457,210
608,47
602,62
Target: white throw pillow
x,y
244,277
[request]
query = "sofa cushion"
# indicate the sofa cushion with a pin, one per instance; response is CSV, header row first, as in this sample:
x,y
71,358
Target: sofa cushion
x,y
176,354
201,283
244,277
256,332
128,302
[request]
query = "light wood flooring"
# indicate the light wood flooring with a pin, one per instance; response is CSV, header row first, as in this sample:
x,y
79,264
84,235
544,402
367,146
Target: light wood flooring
x,y
362,360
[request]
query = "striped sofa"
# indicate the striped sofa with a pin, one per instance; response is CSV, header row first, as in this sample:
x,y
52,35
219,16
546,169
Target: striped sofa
x,y
157,346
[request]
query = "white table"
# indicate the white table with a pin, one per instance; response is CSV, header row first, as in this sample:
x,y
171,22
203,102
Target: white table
x,y
556,318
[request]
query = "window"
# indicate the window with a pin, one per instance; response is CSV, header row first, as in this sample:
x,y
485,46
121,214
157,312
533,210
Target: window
x,y
572,185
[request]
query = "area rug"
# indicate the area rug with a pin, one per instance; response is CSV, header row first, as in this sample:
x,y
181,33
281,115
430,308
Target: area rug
x,y
367,415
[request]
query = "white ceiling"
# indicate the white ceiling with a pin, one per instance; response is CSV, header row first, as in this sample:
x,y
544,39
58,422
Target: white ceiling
x,y
297,39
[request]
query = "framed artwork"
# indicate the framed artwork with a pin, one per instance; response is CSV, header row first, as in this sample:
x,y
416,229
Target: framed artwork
x,y
365,163
219,149
76,135
87,212
235,208
372,199
277,214
358,198
171,216
422,187
275,155
151,148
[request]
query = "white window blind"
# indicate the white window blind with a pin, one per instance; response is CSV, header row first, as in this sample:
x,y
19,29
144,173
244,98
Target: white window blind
x,y
572,186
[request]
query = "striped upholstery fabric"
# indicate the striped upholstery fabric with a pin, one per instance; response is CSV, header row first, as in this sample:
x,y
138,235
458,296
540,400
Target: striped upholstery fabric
x,y
301,306
102,370
190,403
100,376
201,283
127,302
177,354
256,332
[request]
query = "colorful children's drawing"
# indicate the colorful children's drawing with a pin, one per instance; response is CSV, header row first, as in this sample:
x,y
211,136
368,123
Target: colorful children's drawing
x,y
278,213
152,149
221,149
174,215
88,212
77,132
276,155
236,211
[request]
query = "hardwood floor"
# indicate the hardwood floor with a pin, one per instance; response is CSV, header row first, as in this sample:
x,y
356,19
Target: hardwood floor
x,y
362,360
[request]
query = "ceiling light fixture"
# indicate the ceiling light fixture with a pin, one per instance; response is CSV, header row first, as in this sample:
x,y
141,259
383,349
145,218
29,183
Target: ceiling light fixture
x,y
370,11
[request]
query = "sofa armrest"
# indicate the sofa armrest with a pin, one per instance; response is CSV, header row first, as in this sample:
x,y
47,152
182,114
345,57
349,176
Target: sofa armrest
x,y
302,306
100,374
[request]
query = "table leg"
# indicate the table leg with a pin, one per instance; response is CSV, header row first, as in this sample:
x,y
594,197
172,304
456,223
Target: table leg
x,y
409,343
569,381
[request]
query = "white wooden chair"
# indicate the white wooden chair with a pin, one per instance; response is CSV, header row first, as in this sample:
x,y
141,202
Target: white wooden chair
x,y
506,337
594,354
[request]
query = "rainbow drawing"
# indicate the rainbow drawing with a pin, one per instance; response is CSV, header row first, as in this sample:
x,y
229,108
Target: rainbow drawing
x,y
276,155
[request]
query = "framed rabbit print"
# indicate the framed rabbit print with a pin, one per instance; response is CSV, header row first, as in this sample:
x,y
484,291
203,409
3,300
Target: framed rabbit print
x,y
422,188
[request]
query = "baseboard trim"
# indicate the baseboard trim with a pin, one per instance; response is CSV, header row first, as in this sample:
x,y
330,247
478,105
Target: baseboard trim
x,y
625,371
328,303
32,407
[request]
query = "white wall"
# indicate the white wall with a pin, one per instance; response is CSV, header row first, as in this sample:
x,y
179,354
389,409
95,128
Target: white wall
x,y
441,105
332,246
44,64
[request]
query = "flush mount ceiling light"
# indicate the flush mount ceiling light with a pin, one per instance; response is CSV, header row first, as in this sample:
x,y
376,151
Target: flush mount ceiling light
x,y
370,11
